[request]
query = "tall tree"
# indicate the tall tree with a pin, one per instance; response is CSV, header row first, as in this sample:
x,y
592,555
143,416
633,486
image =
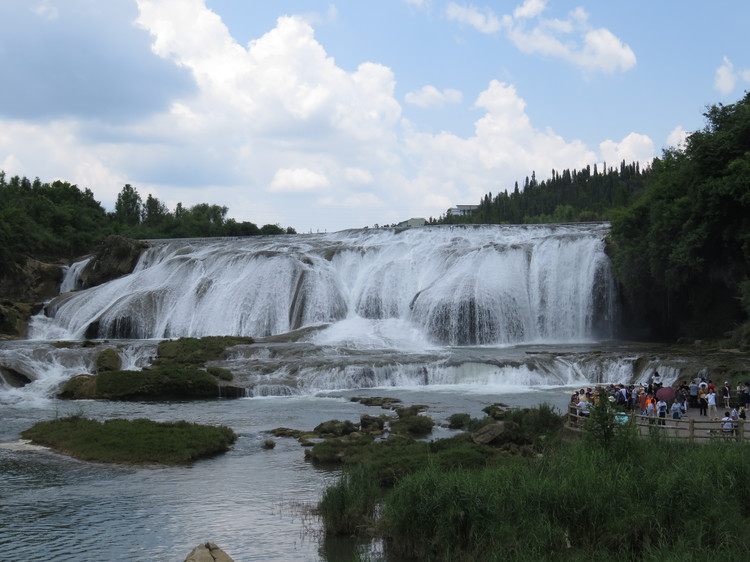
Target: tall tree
x,y
128,207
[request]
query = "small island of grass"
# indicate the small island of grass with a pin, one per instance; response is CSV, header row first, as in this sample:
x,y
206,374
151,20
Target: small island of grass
x,y
139,441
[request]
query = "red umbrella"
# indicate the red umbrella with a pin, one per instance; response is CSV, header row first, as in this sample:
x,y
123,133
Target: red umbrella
x,y
665,393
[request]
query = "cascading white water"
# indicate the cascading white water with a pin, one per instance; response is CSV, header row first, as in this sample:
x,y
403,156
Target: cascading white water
x,y
453,285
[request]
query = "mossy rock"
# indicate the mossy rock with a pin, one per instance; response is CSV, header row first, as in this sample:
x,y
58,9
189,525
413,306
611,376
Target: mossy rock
x,y
459,421
413,425
496,411
108,360
372,424
381,401
8,320
219,373
81,387
155,384
197,351
286,432
335,428
410,411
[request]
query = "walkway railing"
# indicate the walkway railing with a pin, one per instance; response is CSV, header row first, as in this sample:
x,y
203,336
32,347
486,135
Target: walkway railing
x,y
693,430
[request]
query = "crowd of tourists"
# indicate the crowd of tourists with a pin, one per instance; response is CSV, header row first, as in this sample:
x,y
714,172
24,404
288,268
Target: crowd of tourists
x,y
657,402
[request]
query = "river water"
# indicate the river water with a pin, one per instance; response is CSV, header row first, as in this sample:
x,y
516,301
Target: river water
x,y
453,318
252,502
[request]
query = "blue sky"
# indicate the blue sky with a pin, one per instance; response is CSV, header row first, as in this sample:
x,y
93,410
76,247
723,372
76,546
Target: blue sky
x,y
332,115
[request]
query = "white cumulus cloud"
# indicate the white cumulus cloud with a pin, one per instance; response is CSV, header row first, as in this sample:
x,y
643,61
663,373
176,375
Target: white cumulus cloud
x,y
298,180
430,96
573,39
485,22
677,138
633,148
725,77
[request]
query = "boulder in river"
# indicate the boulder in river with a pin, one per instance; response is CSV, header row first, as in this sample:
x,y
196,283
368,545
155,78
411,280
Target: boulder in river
x,y
208,552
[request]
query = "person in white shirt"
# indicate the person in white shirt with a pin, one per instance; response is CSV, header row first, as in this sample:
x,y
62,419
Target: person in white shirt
x,y
711,397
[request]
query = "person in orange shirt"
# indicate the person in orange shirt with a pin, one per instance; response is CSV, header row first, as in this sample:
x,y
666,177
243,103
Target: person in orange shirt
x,y
642,398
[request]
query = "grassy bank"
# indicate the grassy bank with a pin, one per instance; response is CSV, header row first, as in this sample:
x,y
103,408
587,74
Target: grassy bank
x,y
610,496
124,441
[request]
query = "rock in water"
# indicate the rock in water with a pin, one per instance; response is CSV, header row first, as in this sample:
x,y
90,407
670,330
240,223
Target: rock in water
x,y
487,434
208,552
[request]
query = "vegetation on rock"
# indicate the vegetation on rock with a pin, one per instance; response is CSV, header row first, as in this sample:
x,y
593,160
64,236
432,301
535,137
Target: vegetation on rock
x,y
131,441
108,360
177,373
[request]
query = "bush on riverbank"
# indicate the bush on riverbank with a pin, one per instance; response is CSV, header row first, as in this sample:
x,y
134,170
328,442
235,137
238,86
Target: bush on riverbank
x,y
131,441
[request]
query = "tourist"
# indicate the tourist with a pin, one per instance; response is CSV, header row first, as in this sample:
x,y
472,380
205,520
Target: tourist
x,y
661,409
740,394
727,425
656,380
650,408
726,394
681,396
711,399
735,415
702,403
693,394
642,399
746,397
676,410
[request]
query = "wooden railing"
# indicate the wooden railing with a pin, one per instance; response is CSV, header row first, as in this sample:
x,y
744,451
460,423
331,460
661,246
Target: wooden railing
x,y
694,430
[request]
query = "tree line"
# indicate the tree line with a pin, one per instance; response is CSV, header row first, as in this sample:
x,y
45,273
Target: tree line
x,y
58,220
567,196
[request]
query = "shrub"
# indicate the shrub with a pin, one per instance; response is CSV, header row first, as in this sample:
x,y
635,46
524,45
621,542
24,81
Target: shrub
x,y
413,425
459,421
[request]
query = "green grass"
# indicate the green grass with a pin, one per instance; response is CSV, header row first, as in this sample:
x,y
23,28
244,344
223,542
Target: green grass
x,y
197,351
577,502
606,497
131,441
347,507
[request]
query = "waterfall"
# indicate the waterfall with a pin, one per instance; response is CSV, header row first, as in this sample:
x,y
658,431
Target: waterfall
x,y
447,285
72,274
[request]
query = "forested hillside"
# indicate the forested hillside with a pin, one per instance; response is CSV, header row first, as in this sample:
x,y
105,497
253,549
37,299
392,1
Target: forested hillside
x,y
568,196
680,239
682,251
58,220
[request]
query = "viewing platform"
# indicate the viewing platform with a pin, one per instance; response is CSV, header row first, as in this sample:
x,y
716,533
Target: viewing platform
x,y
692,427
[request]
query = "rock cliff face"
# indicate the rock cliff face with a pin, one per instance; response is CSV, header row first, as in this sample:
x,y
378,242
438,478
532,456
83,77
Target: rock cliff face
x,y
22,292
33,282
116,256
25,288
